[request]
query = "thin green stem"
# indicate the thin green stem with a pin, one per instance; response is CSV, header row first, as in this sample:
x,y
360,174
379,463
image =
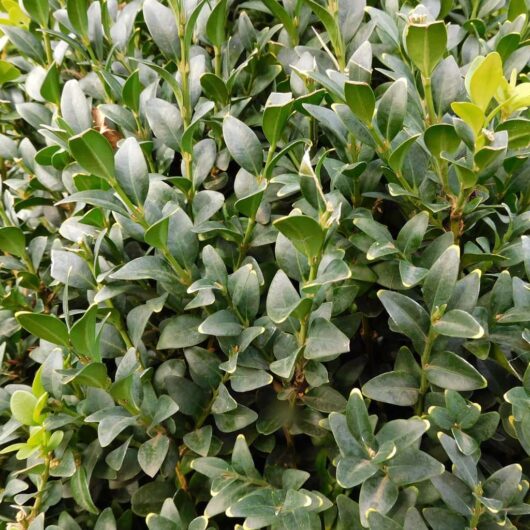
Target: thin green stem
x,y
42,486
29,264
477,509
47,47
120,327
425,358
243,247
218,61
457,213
433,116
299,376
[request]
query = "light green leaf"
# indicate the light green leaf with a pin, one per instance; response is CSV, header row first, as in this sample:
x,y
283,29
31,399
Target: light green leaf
x,y
325,341
396,388
47,327
152,454
94,153
483,79
12,241
441,279
426,45
378,493
361,100
303,232
411,319
180,332
449,370
458,323
243,145
392,109
131,171
22,404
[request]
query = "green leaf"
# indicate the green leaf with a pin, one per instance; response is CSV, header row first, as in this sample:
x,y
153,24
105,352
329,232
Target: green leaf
x,y
200,440
396,388
243,145
361,100
441,279
392,109
283,300
276,114
84,337
426,45
449,370
284,17
483,79
215,88
412,466
303,232
236,419
12,241
249,204
351,471
71,269
75,109
131,171
152,454
411,235
145,268
180,332
441,138
106,520
373,229
131,91
243,287
465,465
165,121
157,234
216,24
8,72
47,327
411,319
162,27
329,22
378,493
221,324
81,490
93,374
22,404
458,323
51,86
38,10
472,115
325,341
358,420
150,497
25,41
399,154
377,521
94,153
78,16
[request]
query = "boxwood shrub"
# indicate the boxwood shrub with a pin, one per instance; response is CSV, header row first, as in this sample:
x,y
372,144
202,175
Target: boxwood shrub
x,y
264,264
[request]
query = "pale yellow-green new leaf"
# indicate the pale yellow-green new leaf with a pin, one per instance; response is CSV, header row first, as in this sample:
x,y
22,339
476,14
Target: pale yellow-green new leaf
x,y
520,98
472,114
484,78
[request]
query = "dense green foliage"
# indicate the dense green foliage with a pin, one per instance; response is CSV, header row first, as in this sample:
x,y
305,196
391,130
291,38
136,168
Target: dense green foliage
x,y
264,264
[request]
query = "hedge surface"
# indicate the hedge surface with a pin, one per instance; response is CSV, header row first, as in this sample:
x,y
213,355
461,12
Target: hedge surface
x,y
264,264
